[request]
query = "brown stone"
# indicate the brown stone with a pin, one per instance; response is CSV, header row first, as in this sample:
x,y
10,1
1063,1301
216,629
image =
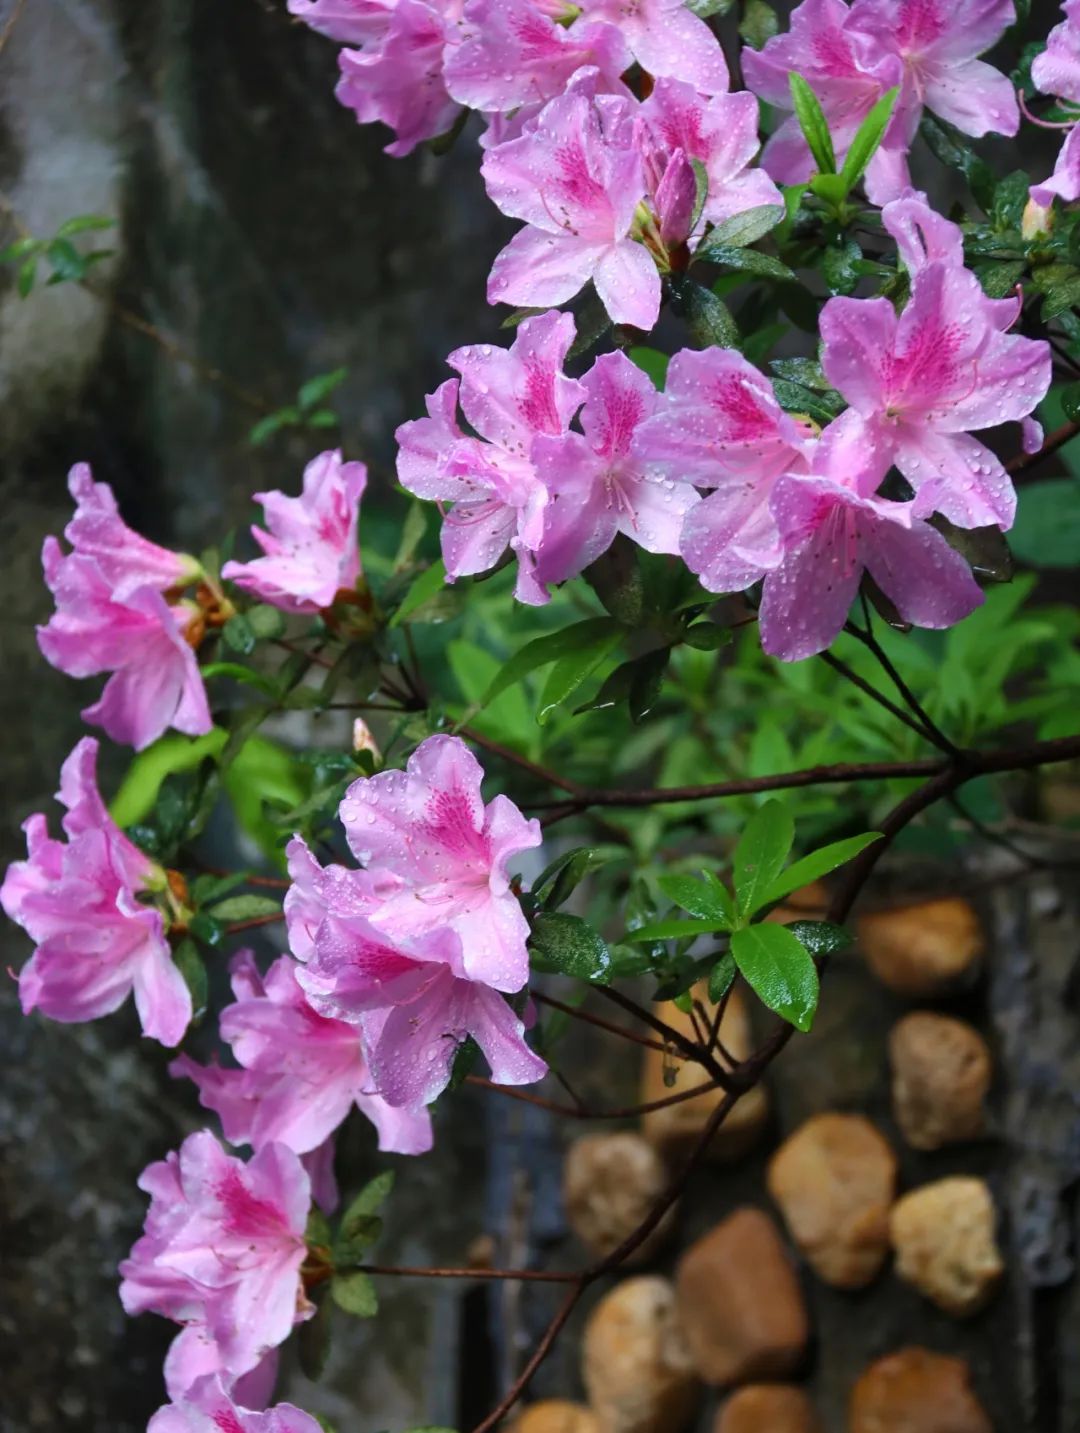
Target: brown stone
x,y
610,1182
943,1235
740,1303
941,1073
675,1129
808,903
635,1362
916,1391
555,1415
924,949
767,1408
835,1180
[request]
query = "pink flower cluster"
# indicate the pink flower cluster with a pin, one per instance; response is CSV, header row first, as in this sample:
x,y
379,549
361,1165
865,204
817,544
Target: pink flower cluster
x,y
1057,72
851,55
120,609
84,903
797,509
209,1407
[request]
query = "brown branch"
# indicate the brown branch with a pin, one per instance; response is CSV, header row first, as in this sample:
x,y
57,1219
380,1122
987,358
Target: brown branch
x,y
549,778
572,1112
589,1019
253,923
689,1049
411,1271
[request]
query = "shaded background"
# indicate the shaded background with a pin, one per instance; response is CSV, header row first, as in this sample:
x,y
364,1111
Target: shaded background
x,y
261,232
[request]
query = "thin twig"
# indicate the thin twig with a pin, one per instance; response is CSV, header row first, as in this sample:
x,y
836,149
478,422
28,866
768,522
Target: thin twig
x,y
627,1112
588,1018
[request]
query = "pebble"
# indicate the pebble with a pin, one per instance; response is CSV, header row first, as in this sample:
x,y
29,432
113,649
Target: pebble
x,y
740,1302
555,1415
835,1180
922,950
610,1182
675,1129
941,1074
768,1408
943,1234
916,1391
635,1361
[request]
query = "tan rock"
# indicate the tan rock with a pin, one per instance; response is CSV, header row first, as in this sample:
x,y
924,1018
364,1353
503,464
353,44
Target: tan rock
x,y
555,1415
610,1182
767,1408
635,1361
941,1074
916,1391
740,1303
943,1235
924,949
674,1130
835,1180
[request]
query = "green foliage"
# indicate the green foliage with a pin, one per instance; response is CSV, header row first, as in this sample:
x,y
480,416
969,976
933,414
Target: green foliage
x,y
569,945
779,969
67,262
814,125
308,412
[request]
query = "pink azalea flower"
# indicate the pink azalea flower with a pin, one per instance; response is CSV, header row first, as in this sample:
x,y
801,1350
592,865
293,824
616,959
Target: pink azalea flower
x,y
508,397
125,560
601,480
428,830
97,942
399,81
141,640
300,1073
575,177
851,57
513,53
831,534
221,1253
311,551
721,132
921,381
209,1407
721,427
352,22
1057,72
847,72
412,1007
667,39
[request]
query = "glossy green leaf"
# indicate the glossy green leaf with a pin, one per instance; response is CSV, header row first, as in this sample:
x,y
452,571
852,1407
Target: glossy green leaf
x,y
817,864
675,929
780,970
867,140
705,900
244,908
542,651
355,1293
568,945
568,672
422,590
760,854
745,228
722,977
750,261
708,318
192,967
814,125
820,938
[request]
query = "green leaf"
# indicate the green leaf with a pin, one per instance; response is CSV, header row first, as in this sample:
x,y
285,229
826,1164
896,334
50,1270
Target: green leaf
x,y
722,977
760,854
265,621
19,249
674,929
238,635
758,24
1069,397
317,1229
1047,528
239,673
542,651
701,192
743,229
147,771
243,908
778,967
568,945
68,265
947,145
316,390
266,427
814,125
355,1293
867,139
707,636
26,276
647,682
81,223
369,1201
706,900
557,882
794,398
821,938
192,967
750,261
570,671
840,266
591,323
652,362
421,591
313,1342
818,864
707,317
806,371
999,280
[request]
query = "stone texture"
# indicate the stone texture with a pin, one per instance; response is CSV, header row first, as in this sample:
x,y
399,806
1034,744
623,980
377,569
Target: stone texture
x,y
941,1071
768,1408
674,1130
922,950
943,1235
834,1180
555,1415
610,1182
635,1362
740,1302
916,1391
